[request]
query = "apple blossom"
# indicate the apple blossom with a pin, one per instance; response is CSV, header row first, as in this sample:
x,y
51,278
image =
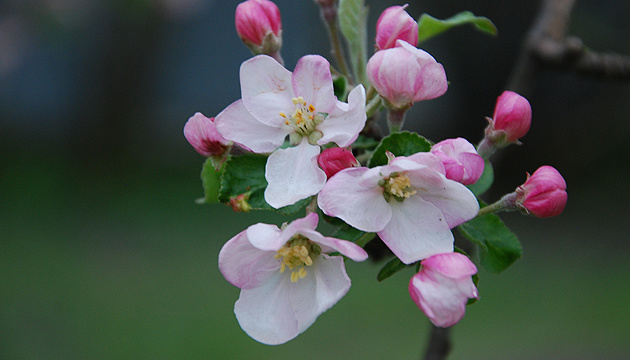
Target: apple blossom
x,y
258,25
543,194
443,286
286,277
276,103
395,24
460,159
405,74
409,202
335,159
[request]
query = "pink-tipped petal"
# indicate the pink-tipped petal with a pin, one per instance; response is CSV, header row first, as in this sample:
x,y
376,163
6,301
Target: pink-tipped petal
x,y
235,123
245,266
313,81
330,244
266,89
345,121
363,207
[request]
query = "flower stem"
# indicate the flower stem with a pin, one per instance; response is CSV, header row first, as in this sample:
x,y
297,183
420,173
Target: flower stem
x,y
439,343
486,148
395,119
506,203
329,15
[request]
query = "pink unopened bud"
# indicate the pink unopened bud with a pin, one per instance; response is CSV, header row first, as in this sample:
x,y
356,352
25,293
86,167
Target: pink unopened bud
x,y
543,194
443,286
405,74
202,134
335,159
395,24
512,116
258,25
460,159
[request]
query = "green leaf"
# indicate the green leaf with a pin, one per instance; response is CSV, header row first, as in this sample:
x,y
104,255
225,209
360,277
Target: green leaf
x,y
211,182
499,246
392,267
340,86
428,26
400,144
485,181
352,15
347,232
245,174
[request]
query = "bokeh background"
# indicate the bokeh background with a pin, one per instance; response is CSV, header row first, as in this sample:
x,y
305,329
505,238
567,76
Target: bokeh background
x,y
105,255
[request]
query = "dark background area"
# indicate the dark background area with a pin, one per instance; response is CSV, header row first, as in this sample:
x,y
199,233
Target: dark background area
x,y
104,254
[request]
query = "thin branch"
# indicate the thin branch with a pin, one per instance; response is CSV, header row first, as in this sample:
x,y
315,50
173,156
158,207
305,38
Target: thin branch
x,y
547,44
439,344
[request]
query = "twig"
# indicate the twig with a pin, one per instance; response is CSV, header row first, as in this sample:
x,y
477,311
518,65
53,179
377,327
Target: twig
x,y
547,44
439,344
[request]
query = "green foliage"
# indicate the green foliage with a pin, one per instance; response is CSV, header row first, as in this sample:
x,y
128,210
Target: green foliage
x,y
347,232
400,144
428,26
499,246
340,86
211,181
245,174
353,24
485,181
392,267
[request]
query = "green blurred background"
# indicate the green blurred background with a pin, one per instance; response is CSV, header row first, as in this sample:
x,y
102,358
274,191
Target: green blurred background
x,y
104,254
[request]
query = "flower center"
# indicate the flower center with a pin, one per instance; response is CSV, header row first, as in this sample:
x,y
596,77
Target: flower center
x,y
296,254
397,186
303,122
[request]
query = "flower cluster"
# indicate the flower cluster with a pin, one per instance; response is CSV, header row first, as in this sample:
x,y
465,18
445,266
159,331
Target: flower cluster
x,y
302,140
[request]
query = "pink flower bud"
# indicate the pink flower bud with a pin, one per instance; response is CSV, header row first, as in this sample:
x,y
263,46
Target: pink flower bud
x,y
543,194
512,116
443,286
258,25
405,74
460,159
202,134
335,159
395,24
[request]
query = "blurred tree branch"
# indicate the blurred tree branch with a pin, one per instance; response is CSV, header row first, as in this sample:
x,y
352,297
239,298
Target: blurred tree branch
x,y
547,44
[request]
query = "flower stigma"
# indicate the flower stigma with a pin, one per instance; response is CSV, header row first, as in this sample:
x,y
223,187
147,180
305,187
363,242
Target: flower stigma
x,y
296,254
397,186
303,122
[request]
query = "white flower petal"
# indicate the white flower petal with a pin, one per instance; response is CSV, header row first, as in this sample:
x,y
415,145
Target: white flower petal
x,y
455,201
266,237
265,313
266,89
293,174
345,122
243,265
237,124
330,244
312,80
417,230
325,284
357,201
